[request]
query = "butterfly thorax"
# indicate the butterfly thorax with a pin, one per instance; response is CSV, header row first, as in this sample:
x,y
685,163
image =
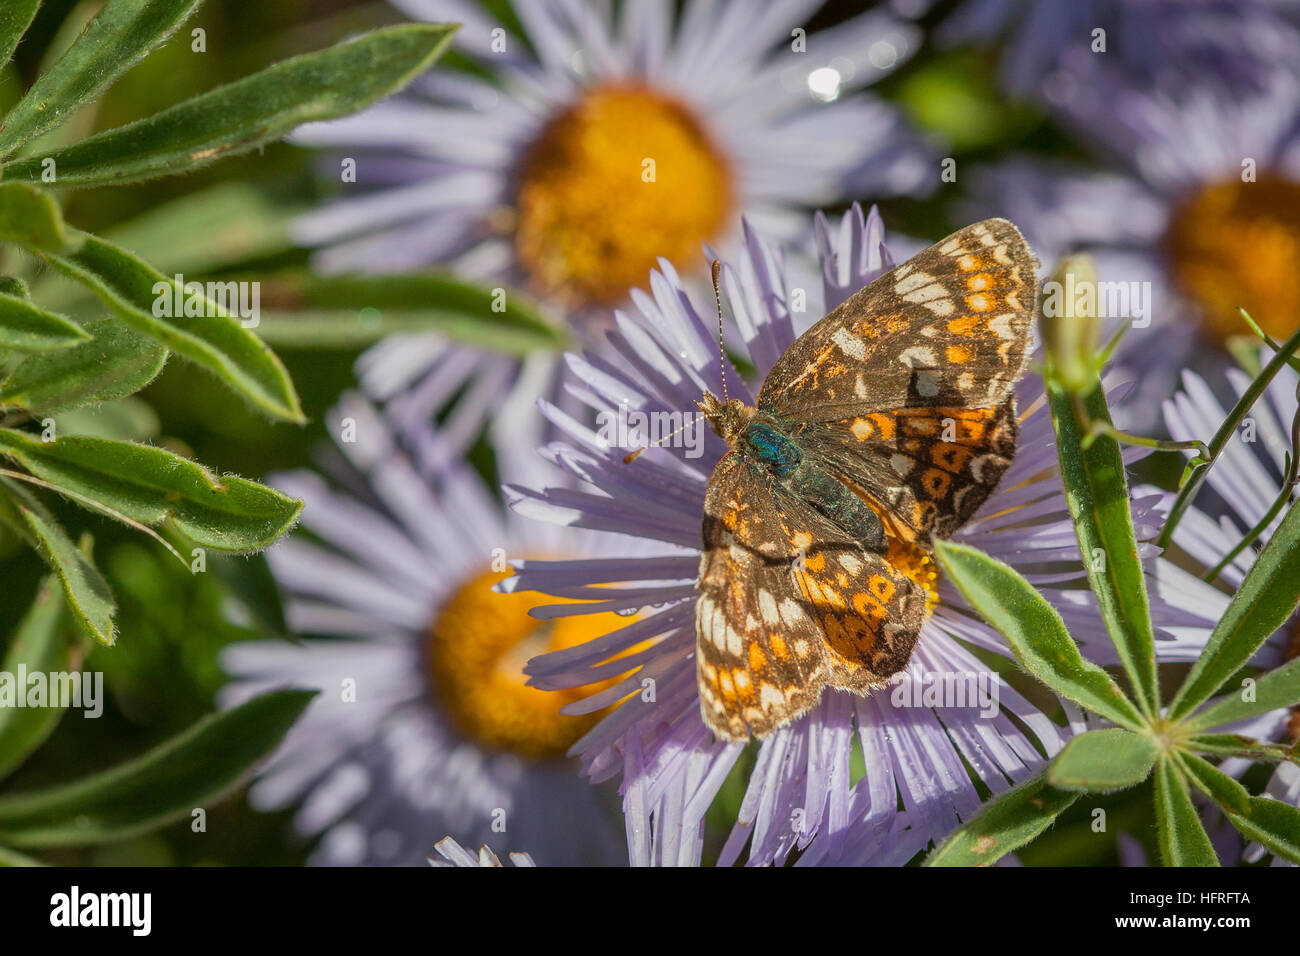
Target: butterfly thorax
x,y
766,447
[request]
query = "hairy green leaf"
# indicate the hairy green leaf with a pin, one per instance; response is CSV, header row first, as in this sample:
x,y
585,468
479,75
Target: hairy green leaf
x,y
15,18
1239,745
40,645
119,37
1277,688
1035,632
1096,490
117,362
1183,840
1273,824
151,485
131,289
1004,824
89,597
29,216
1215,784
1262,604
251,112
193,769
1100,761
28,328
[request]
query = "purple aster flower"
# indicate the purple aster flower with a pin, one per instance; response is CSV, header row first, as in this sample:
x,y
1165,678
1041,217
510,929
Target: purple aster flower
x,y
1202,204
1243,484
592,144
1164,43
804,797
425,725
453,854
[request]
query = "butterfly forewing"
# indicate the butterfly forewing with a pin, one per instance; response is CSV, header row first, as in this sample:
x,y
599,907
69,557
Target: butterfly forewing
x,y
948,327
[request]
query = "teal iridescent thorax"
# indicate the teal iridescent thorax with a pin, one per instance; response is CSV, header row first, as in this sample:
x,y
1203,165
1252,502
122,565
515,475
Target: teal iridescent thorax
x,y
766,445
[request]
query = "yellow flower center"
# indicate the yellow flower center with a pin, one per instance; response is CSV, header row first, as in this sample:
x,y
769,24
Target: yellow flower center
x,y
1237,245
477,650
917,565
622,176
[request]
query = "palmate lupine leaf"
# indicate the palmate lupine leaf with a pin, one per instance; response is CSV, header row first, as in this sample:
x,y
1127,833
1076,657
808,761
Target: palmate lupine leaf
x,y
1096,490
1215,784
249,113
150,485
116,362
1035,632
1273,824
193,769
1004,824
40,645
89,597
1100,761
1267,597
120,35
1239,745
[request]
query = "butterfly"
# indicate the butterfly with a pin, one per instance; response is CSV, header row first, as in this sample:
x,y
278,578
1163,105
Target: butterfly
x,y
885,425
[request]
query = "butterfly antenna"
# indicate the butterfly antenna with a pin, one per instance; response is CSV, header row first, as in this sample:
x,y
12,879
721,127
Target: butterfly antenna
x,y
633,456
717,298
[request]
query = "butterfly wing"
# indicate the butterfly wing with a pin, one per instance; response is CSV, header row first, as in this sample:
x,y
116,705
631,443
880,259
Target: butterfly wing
x,y
787,606
949,327
930,467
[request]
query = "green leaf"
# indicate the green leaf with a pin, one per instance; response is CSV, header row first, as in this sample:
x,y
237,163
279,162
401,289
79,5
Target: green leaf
x,y
195,768
305,311
1183,840
119,37
1215,784
251,112
1239,745
117,362
1035,632
89,597
1096,490
1005,824
1100,761
10,857
15,18
150,485
217,341
29,216
207,230
1273,824
39,645
1277,688
1261,605
28,328
125,419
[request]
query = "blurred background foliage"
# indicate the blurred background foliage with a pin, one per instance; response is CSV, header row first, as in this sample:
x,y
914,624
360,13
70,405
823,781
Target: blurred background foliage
x,y
162,674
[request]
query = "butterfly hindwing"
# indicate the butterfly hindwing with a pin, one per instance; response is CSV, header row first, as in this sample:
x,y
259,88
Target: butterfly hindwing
x,y
949,327
788,605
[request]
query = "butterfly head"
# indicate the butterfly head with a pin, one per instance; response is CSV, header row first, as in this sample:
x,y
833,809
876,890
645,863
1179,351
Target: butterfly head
x,y
727,419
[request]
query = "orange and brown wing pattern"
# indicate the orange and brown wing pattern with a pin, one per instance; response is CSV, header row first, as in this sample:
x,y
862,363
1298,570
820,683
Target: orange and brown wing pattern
x,y
949,327
787,607
930,468
760,658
